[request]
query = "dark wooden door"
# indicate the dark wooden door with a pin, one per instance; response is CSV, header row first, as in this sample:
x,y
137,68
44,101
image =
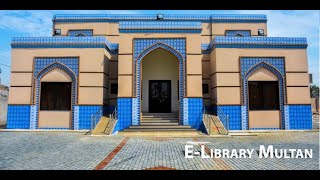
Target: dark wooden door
x,y
159,96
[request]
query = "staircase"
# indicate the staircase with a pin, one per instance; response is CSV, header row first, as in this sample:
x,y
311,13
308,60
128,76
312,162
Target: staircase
x,y
162,124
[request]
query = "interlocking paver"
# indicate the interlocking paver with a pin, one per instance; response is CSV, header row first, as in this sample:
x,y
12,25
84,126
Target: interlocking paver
x,y
69,150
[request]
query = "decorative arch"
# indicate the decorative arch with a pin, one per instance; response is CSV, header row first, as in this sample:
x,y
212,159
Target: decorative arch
x,y
80,35
137,78
47,70
277,73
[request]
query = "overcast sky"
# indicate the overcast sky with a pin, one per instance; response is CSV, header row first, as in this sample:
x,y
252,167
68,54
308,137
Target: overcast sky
x,y
287,23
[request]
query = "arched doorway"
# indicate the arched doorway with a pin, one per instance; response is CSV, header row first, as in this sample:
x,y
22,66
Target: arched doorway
x,y
160,82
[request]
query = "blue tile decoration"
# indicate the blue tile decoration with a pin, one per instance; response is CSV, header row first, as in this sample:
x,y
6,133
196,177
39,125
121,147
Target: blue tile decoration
x,y
234,115
84,32
159,27
249,65
142,47
286,116
195,112
18,117
44,65
300,117
76,117
135,112
64,42
185,111
124,114
33,116
216,18
264,128
85,112
243,33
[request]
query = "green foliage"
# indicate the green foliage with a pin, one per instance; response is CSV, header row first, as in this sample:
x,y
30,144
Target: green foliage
x,y
314,91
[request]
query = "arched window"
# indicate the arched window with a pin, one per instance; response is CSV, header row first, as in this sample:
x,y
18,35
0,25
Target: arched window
x,y
238,35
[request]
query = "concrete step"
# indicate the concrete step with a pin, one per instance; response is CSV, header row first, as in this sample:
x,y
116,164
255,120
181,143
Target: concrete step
x,y
162,134
159,120
144,115
160,127
159,124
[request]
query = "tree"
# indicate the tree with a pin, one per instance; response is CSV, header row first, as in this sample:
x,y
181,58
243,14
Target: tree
x,y
314,90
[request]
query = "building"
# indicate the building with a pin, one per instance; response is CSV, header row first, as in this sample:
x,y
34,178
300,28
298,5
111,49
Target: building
x,y
4,93
159,63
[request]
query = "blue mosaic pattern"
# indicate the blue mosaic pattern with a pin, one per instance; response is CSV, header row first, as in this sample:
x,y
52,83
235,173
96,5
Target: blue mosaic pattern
x,y
264,129
44,65
70,62
124,114
76,117
244,117
185,111
85,32
233,113
243,33
159,25
18,117
142,47
64,42
195,112
135,112
85,113
254,18
286,116
185,31
248,66
300,117
33,116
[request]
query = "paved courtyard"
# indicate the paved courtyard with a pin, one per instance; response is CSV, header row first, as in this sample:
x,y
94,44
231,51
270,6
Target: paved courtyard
x,y
71,150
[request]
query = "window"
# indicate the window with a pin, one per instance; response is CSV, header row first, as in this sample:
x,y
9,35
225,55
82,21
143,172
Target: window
x,y
239,35
260,32
57,32
55,96
205,89
80,32
79,35
159,16
263,95
114,88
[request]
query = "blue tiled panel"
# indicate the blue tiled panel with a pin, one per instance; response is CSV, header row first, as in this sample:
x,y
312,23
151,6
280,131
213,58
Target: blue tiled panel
x,y
85,113
70,62
18,117
233,113
300,116
195,112
244,33
124,114
159,25
85,32
186,31
254,18
249,62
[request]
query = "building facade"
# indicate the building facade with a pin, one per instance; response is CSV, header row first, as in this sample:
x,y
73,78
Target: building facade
x,y
159,63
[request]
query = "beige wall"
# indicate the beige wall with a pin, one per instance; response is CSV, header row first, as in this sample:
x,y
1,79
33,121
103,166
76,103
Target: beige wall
x,y
228,95
98,28
21,79
206,69
297,79
56,75
160,65
264,119
91,95
263,74
218,29
91,79
20,95
298,95
54,119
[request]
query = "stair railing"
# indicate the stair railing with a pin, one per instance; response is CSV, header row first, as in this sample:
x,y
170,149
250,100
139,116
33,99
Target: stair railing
x,y
113,118
206,120
95,119
223,118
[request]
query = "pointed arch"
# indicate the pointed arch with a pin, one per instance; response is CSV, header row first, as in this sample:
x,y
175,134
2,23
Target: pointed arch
x,y
278,74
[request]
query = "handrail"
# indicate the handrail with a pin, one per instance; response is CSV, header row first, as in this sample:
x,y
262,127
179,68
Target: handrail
x,y
206,120
223,118
95,119
113,118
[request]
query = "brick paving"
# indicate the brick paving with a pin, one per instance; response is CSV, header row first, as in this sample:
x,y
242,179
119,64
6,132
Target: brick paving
x,y
70,150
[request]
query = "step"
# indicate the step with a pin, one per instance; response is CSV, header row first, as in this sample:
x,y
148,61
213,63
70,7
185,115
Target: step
x,y
159,121
162,134
160,127
159,115
159,124
156,130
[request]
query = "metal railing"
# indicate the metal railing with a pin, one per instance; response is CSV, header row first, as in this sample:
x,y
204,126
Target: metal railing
x,y
95,119
206,120
223,118
113,118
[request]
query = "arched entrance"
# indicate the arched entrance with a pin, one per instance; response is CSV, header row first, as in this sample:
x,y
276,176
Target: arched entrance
x,y
160,82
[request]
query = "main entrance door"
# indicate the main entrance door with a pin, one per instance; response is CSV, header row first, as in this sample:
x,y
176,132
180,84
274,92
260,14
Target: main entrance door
x,y
159,96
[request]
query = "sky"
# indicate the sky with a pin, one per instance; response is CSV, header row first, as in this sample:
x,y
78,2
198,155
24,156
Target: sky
x,y
286,23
